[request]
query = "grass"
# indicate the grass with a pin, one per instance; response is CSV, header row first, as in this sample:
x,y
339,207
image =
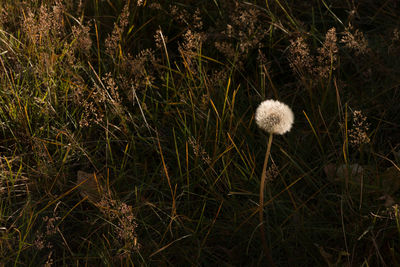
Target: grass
x,y
166,142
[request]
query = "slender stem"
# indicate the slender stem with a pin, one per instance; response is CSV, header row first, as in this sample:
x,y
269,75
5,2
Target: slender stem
x,y
261,210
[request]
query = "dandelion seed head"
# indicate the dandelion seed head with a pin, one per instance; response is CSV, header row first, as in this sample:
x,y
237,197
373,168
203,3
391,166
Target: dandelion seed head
x,y
274,117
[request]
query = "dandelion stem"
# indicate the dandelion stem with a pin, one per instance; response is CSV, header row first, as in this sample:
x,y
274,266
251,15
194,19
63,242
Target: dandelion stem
x,y
261,211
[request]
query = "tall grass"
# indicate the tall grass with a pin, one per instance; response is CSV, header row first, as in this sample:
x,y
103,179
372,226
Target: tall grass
x,y
128,133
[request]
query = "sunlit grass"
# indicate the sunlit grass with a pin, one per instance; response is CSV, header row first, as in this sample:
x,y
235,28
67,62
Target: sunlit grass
x,y
128,134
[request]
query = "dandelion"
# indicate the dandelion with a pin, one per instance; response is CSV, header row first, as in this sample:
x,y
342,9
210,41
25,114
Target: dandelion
x,y
275,118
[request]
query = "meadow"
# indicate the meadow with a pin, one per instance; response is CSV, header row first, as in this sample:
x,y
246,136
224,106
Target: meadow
x,y
128,134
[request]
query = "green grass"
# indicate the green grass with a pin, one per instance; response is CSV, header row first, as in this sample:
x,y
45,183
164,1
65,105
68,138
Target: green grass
x,y
171,136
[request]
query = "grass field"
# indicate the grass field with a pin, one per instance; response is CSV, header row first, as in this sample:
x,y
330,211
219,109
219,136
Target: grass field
x,y
128,133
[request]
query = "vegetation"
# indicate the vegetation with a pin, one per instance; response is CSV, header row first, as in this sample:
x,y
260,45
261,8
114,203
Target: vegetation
x,y
127,133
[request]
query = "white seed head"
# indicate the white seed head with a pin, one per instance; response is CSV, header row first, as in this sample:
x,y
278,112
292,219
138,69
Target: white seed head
x,y
274,117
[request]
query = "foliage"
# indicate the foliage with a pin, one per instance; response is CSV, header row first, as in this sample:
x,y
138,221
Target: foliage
x,y
128,132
